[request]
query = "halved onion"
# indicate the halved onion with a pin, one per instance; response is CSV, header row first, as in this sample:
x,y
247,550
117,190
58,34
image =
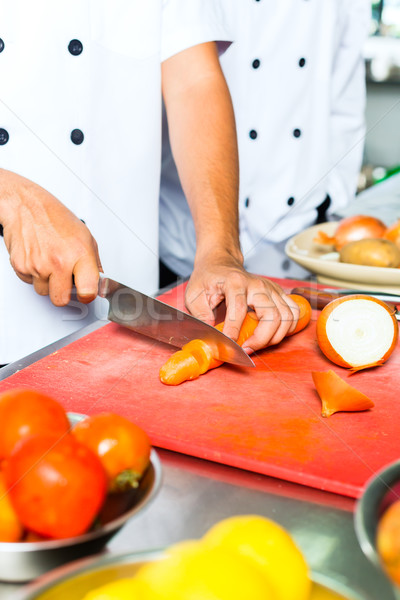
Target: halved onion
x,y
353,229
357,331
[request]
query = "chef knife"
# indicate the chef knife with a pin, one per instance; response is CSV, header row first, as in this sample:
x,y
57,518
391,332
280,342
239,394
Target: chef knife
x,y
318,298
163,322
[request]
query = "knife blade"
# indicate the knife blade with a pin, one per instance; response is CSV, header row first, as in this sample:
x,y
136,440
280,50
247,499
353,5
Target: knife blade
x,y
318,298
160,321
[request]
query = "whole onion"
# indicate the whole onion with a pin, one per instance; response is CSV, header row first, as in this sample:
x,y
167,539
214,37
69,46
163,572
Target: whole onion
x,y
353,229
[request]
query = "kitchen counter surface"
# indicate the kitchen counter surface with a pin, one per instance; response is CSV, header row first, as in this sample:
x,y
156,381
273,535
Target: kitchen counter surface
x,y
197,493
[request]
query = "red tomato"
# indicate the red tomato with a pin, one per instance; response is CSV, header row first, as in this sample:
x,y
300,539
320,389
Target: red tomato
x,y
56,485
123,447
25,412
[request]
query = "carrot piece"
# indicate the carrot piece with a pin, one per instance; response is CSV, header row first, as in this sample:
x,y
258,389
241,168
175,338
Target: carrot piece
x,y
196,357
180,367
337,395
202,353
248,327
305,313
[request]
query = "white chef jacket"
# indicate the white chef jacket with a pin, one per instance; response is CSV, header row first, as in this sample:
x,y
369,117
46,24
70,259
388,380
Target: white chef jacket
x,y
80,114
296,77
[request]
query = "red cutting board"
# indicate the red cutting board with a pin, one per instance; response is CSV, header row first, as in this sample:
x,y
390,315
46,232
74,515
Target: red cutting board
x,y
265,419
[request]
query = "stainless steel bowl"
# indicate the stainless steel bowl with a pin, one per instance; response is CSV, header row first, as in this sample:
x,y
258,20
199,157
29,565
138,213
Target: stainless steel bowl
x,y
75,580
380,491
23,561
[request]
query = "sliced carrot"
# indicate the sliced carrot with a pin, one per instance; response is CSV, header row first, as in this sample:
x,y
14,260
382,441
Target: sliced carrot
x,y
202,353
305,313
248,327
180,367
337,395
196,357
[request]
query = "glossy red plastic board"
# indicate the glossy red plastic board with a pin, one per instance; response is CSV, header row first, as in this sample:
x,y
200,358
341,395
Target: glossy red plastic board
x,y
267,420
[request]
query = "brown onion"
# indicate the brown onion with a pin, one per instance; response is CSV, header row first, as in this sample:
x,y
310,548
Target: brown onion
x,y
352,229
357,331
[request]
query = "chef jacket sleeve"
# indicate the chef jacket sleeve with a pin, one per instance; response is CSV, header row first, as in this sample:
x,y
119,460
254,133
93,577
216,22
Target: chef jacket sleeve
x,y
347,122
186,23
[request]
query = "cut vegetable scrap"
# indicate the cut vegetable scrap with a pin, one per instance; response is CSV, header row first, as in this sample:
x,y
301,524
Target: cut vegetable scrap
x,y
337,395
196,356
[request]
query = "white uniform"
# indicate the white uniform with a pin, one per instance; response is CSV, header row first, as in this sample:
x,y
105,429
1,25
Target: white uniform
x,y
80,114
296,76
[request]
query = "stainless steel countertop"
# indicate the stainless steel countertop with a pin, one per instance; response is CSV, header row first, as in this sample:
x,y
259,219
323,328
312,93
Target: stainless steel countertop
x,y
196,494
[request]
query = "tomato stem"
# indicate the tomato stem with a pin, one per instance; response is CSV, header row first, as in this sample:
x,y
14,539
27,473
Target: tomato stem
x,y
126,480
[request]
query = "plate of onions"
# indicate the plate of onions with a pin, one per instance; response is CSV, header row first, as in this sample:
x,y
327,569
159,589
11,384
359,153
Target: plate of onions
x,y
325,249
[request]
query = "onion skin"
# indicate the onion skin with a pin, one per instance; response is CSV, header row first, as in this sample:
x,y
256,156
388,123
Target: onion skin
x,y
328,349
353,229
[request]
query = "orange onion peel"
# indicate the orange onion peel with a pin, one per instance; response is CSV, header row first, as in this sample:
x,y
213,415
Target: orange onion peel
x,y
357,331
352,229
337,395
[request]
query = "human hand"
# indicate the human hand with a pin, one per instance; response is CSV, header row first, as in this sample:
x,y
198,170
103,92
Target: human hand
x,y
48,245
216,279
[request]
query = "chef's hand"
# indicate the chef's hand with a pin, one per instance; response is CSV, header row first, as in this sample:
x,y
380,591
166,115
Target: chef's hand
x,y
48,245
216,279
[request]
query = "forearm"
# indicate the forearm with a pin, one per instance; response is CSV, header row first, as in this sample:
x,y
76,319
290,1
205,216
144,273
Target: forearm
x,y
203,141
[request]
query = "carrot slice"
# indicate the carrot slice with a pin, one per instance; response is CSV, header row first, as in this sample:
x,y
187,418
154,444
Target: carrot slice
x,y
248,327
202,353
196,357
337,395
180,367
305,313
